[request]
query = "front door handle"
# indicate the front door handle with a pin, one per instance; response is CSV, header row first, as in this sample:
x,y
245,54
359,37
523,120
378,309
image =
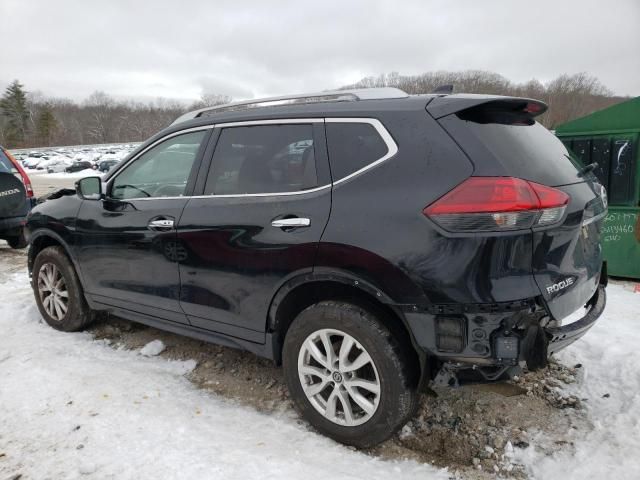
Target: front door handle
x,y
295,222
161,225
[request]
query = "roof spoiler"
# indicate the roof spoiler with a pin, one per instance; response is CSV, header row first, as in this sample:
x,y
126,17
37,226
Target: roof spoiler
x,y
446,105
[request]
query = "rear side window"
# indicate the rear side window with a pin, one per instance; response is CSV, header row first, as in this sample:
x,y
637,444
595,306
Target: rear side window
x,y
263,159
353,146
6,166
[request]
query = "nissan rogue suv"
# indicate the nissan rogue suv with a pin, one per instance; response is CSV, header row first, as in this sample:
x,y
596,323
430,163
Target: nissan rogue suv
x,y
372,242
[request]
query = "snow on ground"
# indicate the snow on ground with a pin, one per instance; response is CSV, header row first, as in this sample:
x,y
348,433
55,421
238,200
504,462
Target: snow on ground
x,y
87,172
71,407
610,356
74,407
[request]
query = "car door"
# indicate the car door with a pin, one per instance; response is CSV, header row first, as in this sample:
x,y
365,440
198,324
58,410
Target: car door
x,y
127,248
264,204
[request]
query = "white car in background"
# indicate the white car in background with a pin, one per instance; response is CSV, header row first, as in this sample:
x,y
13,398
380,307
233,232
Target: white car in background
x,y
32,162
58,165
52,160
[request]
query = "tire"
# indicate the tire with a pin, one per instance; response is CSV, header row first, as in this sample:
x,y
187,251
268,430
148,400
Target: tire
x,y
389,368
51,265
18,241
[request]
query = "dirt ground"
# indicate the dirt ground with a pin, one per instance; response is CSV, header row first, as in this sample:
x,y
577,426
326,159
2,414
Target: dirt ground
x,y
472,430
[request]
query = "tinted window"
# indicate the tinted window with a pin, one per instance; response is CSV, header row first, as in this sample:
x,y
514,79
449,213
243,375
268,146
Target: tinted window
x,y
5,164
263,159
162,171
353,146
528,151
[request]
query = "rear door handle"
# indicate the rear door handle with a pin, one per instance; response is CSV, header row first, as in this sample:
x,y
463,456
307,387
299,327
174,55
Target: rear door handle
x,y
161,225
295,222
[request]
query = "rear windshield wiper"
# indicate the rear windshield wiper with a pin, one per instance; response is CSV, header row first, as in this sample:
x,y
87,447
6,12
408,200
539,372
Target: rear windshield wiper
x,y
587,168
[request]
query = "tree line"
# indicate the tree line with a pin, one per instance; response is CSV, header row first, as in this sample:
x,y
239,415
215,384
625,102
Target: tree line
x,y
32,120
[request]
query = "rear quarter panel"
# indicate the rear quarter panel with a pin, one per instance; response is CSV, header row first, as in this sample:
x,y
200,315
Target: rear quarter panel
x,y
377,229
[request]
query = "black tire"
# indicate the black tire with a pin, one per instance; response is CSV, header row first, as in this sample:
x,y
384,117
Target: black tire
x,y
398,398
78,314
18,241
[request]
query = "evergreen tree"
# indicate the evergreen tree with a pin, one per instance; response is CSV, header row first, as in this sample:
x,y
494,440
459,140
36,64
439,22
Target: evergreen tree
x,y
46,124
13,106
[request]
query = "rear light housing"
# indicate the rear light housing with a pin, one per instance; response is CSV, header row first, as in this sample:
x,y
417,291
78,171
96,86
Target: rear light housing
x,y
494,204
23,174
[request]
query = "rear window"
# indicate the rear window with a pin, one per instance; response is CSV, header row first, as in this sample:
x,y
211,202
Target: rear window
x,y
528,151
6,166
353,146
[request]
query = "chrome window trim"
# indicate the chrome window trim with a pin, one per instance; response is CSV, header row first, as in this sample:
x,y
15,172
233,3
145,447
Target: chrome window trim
x,y
277,121
392,146
392,149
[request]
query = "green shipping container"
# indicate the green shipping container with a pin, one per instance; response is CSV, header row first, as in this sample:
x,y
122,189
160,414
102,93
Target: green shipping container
x,y
609,138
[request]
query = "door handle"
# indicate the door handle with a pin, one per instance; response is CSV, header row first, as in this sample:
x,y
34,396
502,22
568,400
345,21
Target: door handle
x,y
161,225
295,222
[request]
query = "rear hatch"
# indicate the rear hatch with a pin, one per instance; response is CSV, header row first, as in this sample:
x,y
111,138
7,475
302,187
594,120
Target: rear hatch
x,y
502,139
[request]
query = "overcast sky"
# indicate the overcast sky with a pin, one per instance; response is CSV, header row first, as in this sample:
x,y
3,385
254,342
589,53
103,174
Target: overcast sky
x,y
180,49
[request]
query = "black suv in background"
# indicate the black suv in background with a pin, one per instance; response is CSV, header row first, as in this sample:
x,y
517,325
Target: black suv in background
x,y
16,199
371,241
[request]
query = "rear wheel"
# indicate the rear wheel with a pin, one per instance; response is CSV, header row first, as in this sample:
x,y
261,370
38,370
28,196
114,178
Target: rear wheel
x,y
17,241
58,291
347,374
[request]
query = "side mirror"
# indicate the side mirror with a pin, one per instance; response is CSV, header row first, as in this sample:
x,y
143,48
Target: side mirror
x,y
89,188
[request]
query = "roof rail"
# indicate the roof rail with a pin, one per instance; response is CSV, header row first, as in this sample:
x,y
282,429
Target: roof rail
x,y
304,98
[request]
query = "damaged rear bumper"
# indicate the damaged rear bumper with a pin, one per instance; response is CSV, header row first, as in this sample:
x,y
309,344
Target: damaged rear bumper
x,y
488,344
561,337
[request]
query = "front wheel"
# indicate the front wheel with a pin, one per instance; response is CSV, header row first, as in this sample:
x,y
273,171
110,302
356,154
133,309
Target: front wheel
x,y
348,375
58,291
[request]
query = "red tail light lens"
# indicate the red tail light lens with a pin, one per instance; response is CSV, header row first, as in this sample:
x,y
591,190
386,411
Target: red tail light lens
x,y
497,204
23,174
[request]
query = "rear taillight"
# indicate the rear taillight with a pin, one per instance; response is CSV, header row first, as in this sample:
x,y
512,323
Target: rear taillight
x,y
486,204
23,174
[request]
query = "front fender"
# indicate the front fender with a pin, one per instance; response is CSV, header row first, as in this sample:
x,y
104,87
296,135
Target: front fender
x,y
47,237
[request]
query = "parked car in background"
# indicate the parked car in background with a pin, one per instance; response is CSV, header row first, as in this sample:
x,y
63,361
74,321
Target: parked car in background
x,y
79,166
16,200
59,165
106,165
370,241
32,161
52,160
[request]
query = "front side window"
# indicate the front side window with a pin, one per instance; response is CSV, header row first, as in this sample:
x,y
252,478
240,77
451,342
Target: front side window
x,y
162,171
263,159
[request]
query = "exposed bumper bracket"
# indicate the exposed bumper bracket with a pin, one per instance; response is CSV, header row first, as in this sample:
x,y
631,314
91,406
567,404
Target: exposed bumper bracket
x,y
560,337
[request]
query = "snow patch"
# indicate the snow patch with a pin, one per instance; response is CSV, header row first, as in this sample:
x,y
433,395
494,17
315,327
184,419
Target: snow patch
x,y
87,172
153,348
73,408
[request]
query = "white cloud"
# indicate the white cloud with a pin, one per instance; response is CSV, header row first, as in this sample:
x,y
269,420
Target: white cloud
x,y
244,49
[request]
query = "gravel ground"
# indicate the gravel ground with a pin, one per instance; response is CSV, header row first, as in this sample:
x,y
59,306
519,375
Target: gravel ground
x,y
472,430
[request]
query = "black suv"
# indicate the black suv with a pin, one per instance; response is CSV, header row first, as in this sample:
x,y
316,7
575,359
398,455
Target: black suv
x,y
16,199
373,242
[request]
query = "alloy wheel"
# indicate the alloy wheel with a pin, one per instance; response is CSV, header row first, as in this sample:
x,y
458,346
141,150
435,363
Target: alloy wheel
x,y
339,377
53,291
